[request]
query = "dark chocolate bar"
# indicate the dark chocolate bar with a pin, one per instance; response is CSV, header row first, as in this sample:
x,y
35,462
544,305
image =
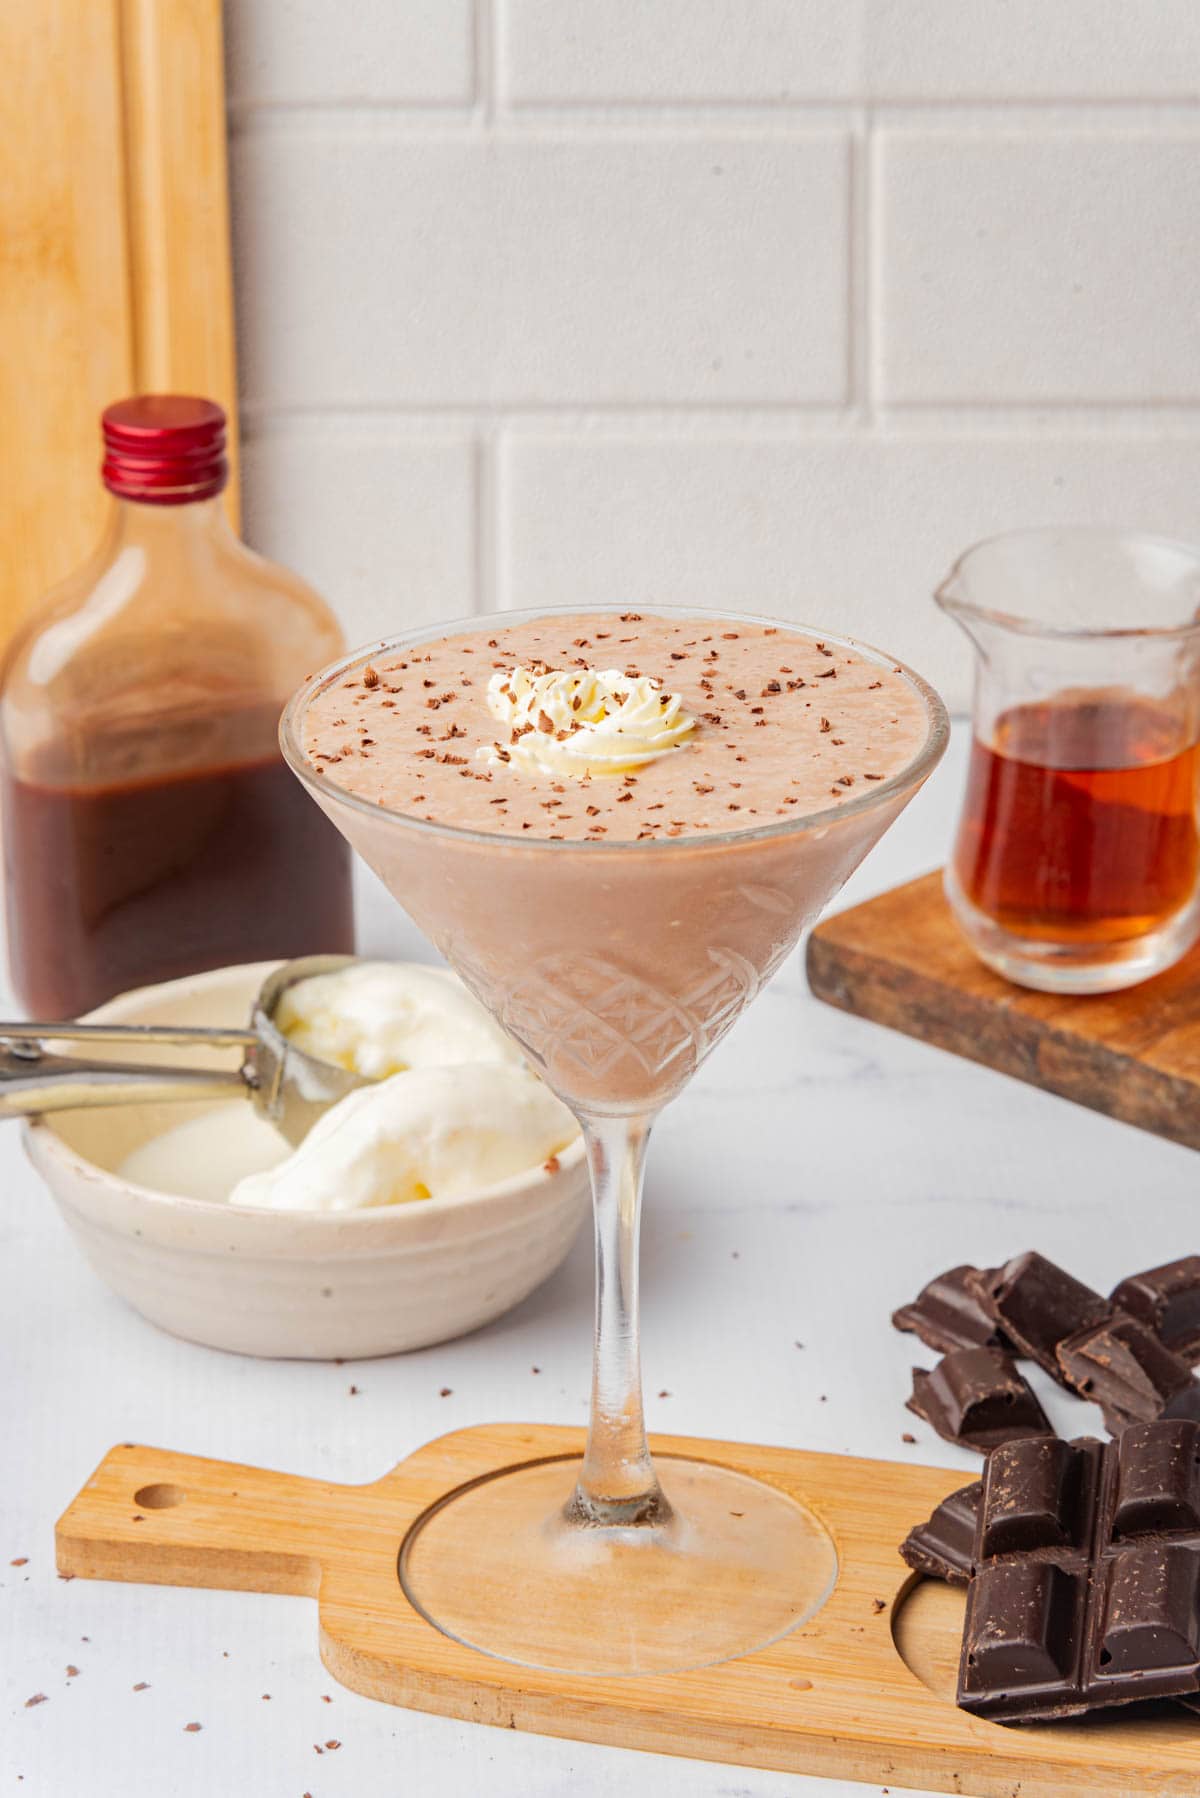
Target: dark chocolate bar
x,y
1038,1305
943,1546
949,1313
1086,1588
977,1398
1123,1367
1167,1299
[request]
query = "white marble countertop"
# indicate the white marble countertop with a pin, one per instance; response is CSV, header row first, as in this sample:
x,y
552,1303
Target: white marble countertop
x,y
818,1170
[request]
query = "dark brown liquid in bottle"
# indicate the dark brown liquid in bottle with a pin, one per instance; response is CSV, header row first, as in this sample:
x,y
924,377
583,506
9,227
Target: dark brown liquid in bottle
x,y
1080,820
120,884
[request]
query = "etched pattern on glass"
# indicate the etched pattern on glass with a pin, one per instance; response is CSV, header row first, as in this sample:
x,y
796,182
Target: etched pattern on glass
x,y
586,1011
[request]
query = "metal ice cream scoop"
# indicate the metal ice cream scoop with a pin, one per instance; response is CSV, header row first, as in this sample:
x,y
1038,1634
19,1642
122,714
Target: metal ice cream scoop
x,y
287,1087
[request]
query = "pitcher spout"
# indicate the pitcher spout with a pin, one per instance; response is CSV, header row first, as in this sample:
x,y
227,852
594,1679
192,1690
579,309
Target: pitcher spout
x,y
953,596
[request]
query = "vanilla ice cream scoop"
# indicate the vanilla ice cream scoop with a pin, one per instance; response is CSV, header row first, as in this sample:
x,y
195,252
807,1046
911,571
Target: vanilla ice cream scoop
x,y
378,1018
428,1133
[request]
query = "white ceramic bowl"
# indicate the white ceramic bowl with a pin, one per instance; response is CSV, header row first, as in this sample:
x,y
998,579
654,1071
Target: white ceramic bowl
x,y
314,1285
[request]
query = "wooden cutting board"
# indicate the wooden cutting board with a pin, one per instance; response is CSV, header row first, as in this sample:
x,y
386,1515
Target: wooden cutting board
x,y
114,253
902,961
863,1690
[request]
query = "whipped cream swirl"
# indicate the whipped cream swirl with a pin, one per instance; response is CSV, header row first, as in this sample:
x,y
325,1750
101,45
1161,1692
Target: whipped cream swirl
x,y
583,721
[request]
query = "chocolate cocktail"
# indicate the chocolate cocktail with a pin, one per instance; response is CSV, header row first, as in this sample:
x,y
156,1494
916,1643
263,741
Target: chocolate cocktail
x,y
615,825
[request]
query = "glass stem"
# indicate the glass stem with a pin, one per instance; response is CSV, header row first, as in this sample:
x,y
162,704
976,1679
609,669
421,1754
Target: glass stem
x,y
617,1483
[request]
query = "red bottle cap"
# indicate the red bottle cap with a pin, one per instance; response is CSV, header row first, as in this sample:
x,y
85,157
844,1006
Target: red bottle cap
x,y
165,449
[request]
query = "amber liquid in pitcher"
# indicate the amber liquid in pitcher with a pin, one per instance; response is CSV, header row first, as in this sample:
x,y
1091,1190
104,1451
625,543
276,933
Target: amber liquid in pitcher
x,y
141,878
1079,823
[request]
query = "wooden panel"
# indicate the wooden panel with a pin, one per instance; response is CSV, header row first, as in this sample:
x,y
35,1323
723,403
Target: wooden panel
x,y
836,1696
64,289
902,961
177,199
114,252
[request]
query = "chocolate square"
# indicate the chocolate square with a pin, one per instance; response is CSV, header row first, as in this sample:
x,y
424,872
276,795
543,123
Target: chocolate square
x,y
976,1397
1038,1305
1123,1367
949,1313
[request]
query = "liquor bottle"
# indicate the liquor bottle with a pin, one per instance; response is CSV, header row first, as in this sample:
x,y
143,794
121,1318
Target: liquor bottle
x,y
151,827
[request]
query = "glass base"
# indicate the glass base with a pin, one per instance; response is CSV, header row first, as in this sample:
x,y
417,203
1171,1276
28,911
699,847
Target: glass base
x,y
737,1565
1078,968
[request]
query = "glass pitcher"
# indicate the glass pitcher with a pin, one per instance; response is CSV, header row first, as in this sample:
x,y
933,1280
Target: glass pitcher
x,y
1075,868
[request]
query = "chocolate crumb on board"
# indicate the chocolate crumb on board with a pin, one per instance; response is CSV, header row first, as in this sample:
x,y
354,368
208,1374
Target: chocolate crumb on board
x,y
20,1561
38,1698
445,1391
191,1729
143,1685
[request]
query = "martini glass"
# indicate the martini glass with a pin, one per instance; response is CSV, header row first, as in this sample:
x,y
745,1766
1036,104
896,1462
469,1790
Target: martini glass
x,y
617,967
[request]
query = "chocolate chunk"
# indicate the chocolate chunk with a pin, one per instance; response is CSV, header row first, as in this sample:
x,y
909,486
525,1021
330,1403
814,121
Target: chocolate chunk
x,y
1086,1584
1167,1299
949,1313
1185,1403
1038,1305
977,1398
1125,1369
943,1546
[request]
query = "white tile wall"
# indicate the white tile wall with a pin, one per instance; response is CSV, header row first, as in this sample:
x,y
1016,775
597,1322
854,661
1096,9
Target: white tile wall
x,y
988,50
289,52
627,52
772,303
562,51
825,529
540,271
383,522
1046,266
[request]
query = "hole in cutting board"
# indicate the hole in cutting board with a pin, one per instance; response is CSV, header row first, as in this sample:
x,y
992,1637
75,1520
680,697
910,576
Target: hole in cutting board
x,y
927,1630
159,1497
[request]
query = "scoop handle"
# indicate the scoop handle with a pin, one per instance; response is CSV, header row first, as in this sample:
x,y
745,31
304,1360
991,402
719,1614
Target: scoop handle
x,y
187,1036
161,1518
33,1081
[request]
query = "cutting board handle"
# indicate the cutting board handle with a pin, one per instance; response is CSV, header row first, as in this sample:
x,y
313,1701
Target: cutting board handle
x,y
151,1515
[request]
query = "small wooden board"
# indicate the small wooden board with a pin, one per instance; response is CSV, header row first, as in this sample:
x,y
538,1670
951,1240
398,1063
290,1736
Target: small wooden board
x,y
902,961
863,1690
